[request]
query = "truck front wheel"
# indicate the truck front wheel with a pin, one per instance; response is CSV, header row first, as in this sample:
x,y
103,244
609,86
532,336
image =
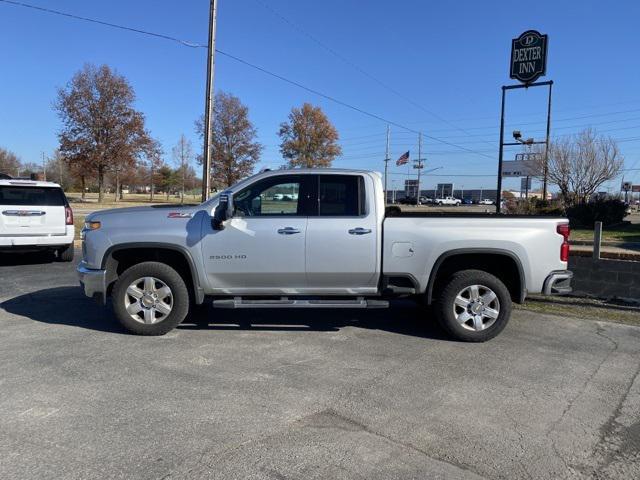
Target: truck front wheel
x,y
150,298
473,306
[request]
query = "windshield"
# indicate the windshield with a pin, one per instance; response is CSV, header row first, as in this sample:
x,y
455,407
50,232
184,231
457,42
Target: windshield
x,y
32,196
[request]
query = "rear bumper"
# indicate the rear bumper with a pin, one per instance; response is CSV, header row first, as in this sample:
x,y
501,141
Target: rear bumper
x,y
20,242
93,282
558,283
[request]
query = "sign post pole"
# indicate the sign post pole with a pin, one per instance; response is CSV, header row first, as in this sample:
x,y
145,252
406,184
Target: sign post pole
x,y
528,63
500,153
545,173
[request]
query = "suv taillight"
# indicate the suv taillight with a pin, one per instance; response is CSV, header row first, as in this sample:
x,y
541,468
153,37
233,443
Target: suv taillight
x,y
564,230
68,215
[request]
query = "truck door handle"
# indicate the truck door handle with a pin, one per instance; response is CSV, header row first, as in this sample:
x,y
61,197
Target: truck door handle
x,y
288,231
359,231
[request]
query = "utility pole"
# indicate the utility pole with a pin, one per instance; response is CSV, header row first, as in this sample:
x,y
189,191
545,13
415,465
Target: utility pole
x,y
60,169
386,166
419,166
44,167
208,114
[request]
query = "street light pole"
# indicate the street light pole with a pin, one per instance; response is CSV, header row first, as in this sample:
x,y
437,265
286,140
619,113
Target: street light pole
x,y
208,114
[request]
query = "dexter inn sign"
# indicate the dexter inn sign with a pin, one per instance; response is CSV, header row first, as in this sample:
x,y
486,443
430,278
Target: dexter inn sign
x,y
529,56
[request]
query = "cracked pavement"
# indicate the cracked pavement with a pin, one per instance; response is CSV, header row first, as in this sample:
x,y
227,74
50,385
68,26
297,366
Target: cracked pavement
x,y
306,394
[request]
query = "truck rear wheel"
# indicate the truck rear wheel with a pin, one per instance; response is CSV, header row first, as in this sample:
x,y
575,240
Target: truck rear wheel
x,y
473,306
150,298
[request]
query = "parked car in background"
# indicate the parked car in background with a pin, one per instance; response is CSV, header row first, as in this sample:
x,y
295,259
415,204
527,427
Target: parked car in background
x,y
337,246
407,201
467,201
486,201
35,216
448,201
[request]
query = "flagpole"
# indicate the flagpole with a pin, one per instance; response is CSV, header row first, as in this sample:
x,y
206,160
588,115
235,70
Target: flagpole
x,y
386,166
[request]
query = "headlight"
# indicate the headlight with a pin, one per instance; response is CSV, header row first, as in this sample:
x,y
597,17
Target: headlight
x,y
92,225
88,226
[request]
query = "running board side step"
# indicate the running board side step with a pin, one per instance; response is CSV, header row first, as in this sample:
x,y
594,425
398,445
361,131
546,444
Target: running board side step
x,y
285,302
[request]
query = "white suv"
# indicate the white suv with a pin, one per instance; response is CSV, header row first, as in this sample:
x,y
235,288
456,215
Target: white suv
x,y
35,216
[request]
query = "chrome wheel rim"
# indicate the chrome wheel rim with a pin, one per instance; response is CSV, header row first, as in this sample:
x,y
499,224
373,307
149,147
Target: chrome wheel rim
x,y
476,307
148,300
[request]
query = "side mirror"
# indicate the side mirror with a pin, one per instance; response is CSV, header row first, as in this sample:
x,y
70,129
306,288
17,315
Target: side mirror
x,y
221,213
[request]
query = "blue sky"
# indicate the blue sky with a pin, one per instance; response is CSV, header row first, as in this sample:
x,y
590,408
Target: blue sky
x,y
450,58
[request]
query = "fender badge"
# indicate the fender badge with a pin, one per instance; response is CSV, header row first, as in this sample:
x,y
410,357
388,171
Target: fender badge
x,y
179,215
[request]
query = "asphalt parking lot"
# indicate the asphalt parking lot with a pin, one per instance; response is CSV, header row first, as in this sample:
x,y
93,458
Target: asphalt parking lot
x,y
306,394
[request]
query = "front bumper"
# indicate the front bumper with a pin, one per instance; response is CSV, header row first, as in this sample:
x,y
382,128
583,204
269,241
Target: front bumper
x,y
558,283
93,282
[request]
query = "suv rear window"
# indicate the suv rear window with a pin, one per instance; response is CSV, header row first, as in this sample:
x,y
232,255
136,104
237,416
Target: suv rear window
x,y
32,196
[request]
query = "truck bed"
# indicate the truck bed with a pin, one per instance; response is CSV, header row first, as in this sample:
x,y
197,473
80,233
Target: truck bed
x,y
413,242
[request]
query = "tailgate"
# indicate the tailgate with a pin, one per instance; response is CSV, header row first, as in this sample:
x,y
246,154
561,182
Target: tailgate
x,y
32,211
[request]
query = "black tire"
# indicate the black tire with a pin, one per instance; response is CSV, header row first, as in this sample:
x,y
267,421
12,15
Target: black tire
x,y
444,305
65,254
164,273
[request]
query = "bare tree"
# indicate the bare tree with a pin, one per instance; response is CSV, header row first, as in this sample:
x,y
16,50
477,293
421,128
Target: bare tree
x,y
9,162
101,129
58,170
309,139
235,150
182,155
153,152
580,164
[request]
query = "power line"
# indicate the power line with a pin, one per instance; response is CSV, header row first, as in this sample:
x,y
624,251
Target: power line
x,y
244,62
355,66
316,92
106,24
495,127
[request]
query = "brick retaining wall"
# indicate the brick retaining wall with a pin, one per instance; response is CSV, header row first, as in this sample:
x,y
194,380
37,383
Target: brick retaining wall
x,y
605,278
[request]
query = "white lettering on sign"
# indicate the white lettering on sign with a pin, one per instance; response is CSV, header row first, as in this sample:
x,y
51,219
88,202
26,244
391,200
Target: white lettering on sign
x,y
527,53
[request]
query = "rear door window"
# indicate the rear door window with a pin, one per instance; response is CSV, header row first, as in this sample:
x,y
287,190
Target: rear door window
x,y
32,196
341,196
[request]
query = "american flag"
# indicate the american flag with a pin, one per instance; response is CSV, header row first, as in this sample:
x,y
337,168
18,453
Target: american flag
x,y
404,158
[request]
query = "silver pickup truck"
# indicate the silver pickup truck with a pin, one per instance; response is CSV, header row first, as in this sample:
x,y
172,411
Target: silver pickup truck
x,y
318,238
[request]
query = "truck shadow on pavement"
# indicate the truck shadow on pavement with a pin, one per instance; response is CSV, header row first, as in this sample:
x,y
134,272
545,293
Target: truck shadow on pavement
x,y
16,259
404,317
63,306
68,306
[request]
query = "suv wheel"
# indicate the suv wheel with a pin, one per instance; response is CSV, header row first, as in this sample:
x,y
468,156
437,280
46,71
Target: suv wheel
x,y
473,306
150,298
65,254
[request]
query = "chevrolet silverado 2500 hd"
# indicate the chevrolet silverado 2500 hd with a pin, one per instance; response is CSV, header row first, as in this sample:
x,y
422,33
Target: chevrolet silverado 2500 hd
x,y
318,238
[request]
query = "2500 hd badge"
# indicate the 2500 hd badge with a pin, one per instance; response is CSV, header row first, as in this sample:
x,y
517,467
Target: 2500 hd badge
x,y
228,257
